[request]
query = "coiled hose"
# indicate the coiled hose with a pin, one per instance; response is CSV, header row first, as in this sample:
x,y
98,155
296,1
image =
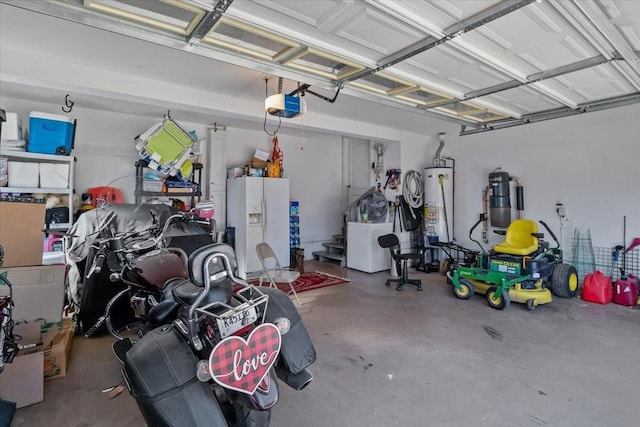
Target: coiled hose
x,y
413,190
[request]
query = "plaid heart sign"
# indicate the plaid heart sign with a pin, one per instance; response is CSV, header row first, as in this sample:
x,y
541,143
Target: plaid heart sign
x,y
242,365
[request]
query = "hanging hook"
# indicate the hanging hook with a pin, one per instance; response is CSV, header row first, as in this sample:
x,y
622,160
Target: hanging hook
x,y
68,103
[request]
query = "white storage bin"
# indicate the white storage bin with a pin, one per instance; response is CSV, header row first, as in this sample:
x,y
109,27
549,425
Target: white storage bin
x,y
148,185
54,175
12,128
4,166
234,172
23,174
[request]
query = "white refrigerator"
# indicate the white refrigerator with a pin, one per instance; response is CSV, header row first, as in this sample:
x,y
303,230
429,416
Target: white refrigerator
x,y
258,208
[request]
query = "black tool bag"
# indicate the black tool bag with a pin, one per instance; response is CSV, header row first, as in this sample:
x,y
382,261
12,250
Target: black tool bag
x,y
411,217
160,372
297,351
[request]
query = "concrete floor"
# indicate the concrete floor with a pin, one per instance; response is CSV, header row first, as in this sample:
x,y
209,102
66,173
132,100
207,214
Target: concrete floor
x,y
409,358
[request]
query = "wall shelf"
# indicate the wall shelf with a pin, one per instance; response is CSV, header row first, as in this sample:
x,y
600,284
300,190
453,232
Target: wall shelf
x,y
28,157
196,180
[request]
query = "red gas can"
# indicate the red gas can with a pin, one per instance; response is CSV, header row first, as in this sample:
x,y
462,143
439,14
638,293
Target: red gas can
x,y
626,291
597,288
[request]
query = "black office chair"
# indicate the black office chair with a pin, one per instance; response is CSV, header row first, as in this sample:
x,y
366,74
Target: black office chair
x,y
391,241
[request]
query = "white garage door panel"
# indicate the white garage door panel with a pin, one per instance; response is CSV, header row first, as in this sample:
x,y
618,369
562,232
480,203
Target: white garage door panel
x,y
313,13
328,42
527,99
596,83
462,69
391,34
625,15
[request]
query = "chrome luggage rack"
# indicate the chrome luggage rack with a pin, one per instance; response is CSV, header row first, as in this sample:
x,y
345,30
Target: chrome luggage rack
x,y
243,295
246,302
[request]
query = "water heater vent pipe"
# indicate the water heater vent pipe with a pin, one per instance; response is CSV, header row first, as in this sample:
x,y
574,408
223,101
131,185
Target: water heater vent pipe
x,y
438,161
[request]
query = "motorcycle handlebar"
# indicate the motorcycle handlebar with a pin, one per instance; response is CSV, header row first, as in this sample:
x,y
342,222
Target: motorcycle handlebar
x,y
121,243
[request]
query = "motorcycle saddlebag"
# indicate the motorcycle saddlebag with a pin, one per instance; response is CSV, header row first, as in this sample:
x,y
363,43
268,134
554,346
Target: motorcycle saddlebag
x,y
160,372
297,351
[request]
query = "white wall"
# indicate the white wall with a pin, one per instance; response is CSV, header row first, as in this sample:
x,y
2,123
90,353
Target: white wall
x,y
105,153
590,163
313,164
104,142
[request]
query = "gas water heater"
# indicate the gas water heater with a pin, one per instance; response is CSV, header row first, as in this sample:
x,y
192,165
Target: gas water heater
x,y
438,203
438,197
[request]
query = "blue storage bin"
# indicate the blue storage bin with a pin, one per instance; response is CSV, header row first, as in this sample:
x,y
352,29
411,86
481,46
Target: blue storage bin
x,y
50,133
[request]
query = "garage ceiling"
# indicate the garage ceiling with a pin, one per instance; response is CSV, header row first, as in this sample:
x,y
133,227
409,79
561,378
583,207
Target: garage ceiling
x,y
484,64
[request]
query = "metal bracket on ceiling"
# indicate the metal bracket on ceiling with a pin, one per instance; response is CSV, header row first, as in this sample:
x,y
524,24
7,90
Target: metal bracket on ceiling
x,y
207,22
304,89
603,104
459,28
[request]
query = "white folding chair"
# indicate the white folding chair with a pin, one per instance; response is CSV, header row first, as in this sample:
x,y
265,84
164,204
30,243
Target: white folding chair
x,y
273,271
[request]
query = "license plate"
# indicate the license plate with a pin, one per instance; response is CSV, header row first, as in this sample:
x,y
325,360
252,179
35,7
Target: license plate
x,y
236,321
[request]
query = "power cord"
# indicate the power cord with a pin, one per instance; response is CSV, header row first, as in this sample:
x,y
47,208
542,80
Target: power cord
x,y
564,221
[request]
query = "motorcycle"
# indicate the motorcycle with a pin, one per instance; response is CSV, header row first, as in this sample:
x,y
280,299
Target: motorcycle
x,y
139,264
216,348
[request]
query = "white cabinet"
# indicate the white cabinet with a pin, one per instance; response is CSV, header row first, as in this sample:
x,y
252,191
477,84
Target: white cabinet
x,y
363,251
217,175
217,160
54,181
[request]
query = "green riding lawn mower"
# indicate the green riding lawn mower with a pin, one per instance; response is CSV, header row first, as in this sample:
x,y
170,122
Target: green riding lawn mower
x,y
522,269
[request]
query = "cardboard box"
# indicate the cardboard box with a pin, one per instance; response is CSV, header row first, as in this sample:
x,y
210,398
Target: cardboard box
x,y
261,155
56,355
21,233
22,381
258,164
38,292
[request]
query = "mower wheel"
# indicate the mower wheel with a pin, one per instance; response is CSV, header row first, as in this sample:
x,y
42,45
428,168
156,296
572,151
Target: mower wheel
x,y
497,301
465,291
564,281
531,304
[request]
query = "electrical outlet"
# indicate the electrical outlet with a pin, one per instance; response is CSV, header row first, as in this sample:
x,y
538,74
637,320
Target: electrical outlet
x,y
561,210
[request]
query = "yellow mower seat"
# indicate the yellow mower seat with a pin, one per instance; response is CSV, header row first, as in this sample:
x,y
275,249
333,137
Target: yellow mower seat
x,y
518,240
